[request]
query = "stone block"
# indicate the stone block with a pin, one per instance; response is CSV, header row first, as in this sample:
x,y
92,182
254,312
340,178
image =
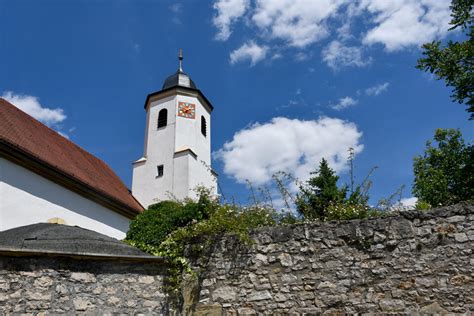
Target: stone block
x,y
224,294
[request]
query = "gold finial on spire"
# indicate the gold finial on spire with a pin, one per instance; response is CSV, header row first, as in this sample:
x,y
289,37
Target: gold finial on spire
x,y
180,57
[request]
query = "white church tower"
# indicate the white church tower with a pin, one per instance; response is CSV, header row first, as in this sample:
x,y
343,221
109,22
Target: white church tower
x,y
177,150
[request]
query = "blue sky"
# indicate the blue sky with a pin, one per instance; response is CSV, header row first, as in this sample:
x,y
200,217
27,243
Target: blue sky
x,y
291,80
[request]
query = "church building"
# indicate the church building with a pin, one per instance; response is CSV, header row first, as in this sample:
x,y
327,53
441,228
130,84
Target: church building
x,y
177,151
44,177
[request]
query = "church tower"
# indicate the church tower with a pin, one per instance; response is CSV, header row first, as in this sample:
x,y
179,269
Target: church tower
x,y
177,150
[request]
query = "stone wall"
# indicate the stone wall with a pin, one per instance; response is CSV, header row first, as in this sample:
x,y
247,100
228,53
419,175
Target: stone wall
x,y
413,262
70,285
410,262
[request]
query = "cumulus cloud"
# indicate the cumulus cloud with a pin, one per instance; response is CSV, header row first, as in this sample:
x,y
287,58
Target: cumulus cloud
x,y
228,11
298,22
403,23
33,107
377,89
249,51
344,103
295,146
396,24
409,202
336,55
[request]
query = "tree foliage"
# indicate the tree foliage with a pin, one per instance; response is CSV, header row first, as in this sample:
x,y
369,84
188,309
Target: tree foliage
x,y
444,175
321,198
455,62
319,192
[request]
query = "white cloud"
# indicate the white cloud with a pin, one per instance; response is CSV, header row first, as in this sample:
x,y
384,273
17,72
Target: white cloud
x,y
298,22
291,145
336,55
176,7
249,51
403,23
377,89
228,11
409,202
396,24
344,103
32,106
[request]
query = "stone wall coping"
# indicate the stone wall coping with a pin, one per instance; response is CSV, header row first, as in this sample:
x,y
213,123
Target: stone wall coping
x,y
17,252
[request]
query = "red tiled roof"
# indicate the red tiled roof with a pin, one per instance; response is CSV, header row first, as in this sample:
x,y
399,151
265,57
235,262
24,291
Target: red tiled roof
x,y
25,134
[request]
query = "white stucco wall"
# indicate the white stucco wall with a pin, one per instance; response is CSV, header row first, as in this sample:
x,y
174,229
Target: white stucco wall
x,y
147,188
28,198
163,147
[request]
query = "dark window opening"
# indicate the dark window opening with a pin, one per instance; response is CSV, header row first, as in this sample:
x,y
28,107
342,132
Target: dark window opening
x,y
203,126
161,170
162,118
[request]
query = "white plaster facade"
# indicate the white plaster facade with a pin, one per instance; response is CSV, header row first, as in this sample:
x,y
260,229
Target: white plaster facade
x,y
180,147
28,198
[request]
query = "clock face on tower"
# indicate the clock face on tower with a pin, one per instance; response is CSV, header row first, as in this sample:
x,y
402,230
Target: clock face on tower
x,y
187,110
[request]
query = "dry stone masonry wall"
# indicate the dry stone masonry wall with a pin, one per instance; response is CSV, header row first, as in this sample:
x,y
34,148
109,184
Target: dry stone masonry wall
x,y
413,262
68,286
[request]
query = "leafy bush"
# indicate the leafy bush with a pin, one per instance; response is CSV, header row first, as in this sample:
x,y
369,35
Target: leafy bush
x,y
346,211
153,226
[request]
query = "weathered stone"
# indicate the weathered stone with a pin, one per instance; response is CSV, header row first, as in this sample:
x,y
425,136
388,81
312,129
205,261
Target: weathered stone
x,y
208,310
285,260
246,312
146,279
392,305
433,309
456,219
3,297
81,304
43,281
259,296
38,296
461,237
114,301
83,277
224,294
289,278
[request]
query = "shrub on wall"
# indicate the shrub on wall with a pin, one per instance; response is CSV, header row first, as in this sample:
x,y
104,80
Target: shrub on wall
x,y
153,226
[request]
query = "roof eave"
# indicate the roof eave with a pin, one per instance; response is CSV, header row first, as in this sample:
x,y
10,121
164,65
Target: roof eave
x,y
157,93
25,159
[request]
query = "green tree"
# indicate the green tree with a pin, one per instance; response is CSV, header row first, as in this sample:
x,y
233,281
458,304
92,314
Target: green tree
x,y
444,175
319,192
455,62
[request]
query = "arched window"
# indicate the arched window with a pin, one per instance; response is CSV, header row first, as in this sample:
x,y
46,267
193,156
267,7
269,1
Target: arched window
x,y
162,118
203,126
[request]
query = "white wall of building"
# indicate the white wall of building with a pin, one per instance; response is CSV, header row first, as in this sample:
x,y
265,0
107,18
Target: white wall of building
x,y
28,198
182,170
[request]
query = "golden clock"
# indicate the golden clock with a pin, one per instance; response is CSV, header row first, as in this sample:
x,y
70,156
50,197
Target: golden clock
x,y
187,110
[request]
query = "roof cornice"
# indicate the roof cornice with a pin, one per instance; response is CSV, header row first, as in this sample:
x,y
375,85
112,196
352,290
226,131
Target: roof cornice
x,y
50,172
177,90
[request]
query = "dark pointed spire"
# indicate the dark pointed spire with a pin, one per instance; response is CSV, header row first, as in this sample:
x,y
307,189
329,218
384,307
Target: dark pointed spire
x,y
180,57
